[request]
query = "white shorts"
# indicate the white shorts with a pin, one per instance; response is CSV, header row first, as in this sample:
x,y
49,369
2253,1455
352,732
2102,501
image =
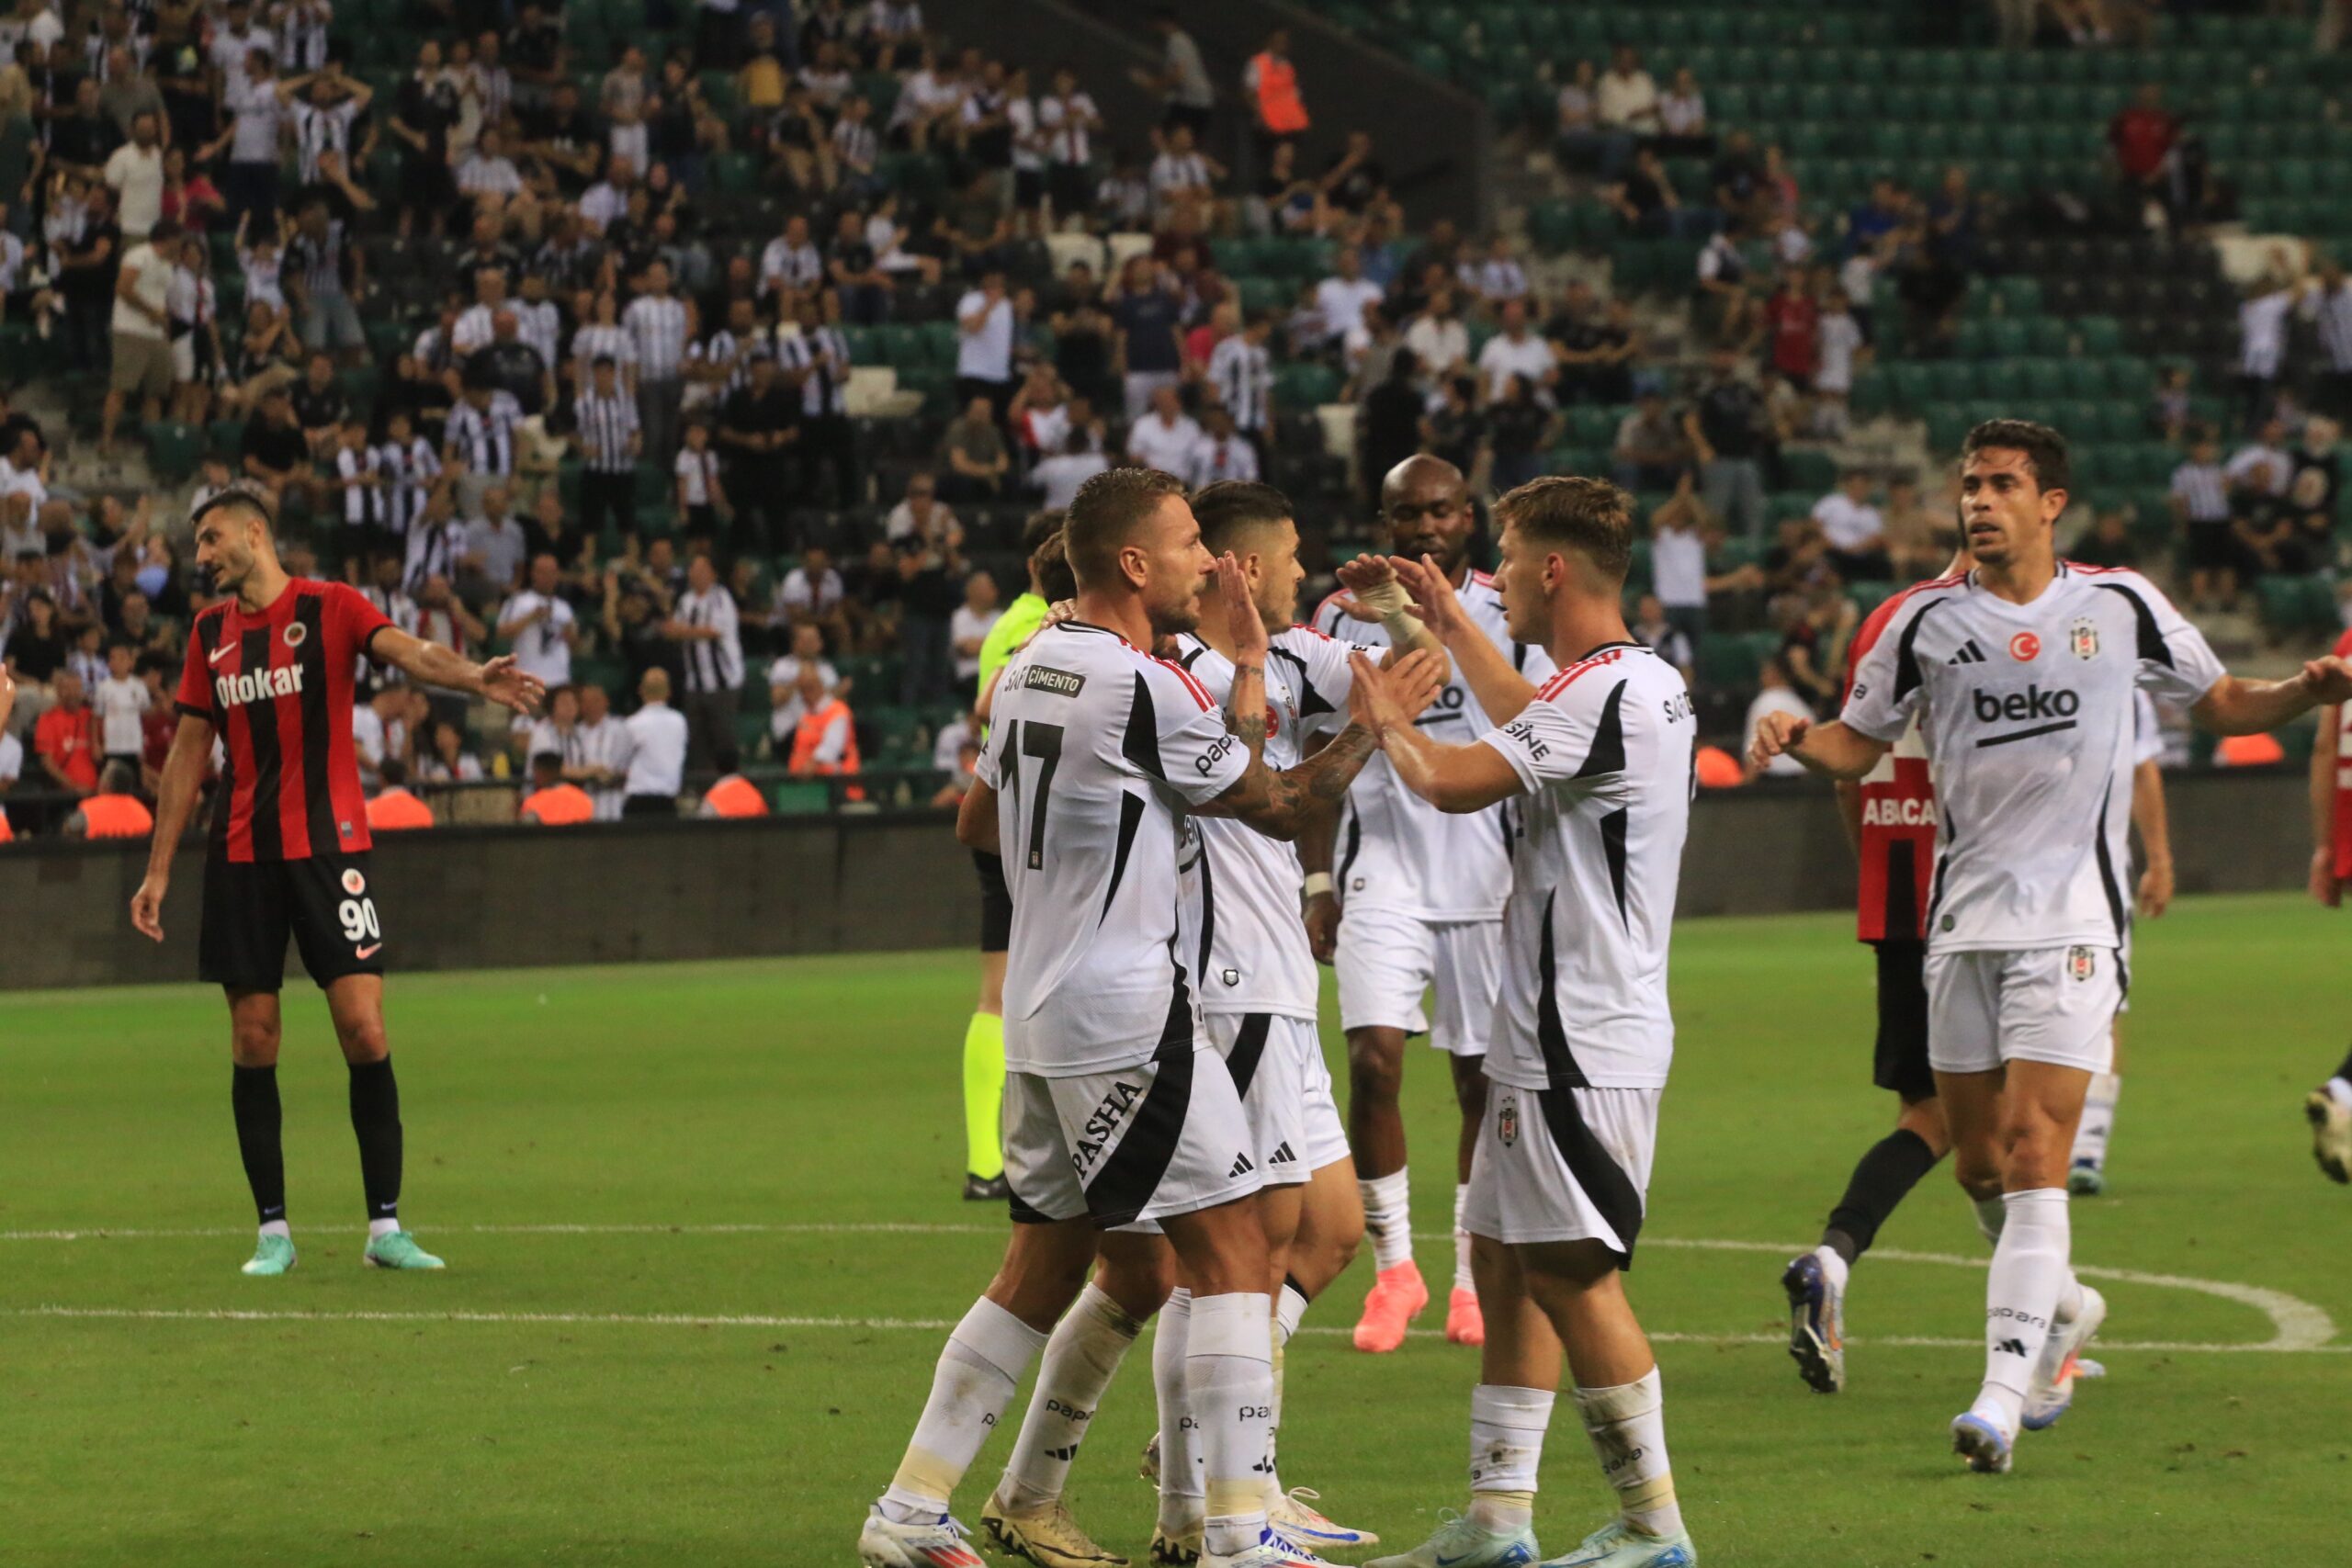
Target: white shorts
x,y
2034,1004
1129,1144
1277,1064
183,359
1563,1164
1386,960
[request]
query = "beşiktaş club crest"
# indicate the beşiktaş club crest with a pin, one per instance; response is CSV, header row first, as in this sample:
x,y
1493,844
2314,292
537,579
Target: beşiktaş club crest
x,y
295,633
2083,639
2080,962
1507,1121
353,883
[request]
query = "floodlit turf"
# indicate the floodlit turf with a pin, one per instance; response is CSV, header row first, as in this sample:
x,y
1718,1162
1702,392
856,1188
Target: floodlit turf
x,y
791,1097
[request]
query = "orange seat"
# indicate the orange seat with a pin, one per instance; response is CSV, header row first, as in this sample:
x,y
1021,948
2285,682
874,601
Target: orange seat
x,y
2248,751
1718,768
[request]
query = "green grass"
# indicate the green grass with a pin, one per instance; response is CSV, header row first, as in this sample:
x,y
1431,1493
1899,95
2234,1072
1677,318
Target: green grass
x,y
824,1091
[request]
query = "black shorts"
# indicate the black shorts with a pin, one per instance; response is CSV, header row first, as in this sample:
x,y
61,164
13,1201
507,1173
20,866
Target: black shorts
x,y
2212,547
326,903
996,903
1028,188
1899,1062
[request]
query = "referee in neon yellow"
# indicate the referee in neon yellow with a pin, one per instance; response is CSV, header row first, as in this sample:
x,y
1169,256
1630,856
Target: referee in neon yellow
x,y
1049,580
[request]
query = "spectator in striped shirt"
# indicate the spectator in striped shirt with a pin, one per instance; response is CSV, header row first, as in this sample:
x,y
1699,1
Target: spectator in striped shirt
x,y
410,469
324,107
610,442
817,357
479,442
791,263
323,269
1241,371
2201,501
661,325
707,628
857,150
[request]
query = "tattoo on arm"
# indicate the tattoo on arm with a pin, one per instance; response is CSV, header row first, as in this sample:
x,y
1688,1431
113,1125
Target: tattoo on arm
x,y
1279,801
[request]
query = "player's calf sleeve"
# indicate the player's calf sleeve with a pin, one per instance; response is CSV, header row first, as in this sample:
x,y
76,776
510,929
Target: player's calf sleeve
x,y
1388,1218
1507,1427
252,1096
1181,1492
1228,1386
1462,1280
2021,1294
984,1095
375,1119
1627,1424
973,1383
2098,1125
1081,1356
1882,1178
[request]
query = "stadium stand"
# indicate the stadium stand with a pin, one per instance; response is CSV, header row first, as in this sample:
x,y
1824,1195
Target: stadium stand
x,y
1833,235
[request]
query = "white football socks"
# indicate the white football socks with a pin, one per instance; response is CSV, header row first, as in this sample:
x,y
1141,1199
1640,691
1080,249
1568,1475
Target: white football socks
x,y
1388,1219
974,1382
1833,1267
2098,1124
1507,1427
1181,1492
1081,1359
2340,1091
1290,1305
2029,1282
1462,1280
279,1227
377,1228
1230,1389
1627,1424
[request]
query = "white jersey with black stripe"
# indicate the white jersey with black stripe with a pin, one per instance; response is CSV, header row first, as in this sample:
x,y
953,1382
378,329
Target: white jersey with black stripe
x,y
1095,749
1398,852
1605,753
1254,957
2028,712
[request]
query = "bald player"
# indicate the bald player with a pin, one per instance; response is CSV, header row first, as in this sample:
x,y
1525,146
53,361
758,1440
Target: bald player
x,y
1404,899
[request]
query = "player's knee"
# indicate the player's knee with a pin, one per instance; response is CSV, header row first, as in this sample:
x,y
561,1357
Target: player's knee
x,y
362,1039
1375,1066
1978,1177
252,1042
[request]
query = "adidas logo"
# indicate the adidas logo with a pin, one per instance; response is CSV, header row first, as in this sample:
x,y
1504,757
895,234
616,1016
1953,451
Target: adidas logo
x,y
2010,1347
1241,1167
1969,654
1282,1156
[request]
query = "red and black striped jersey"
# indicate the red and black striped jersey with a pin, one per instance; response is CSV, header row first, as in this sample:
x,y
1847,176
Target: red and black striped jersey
x,y
276,687
1898,822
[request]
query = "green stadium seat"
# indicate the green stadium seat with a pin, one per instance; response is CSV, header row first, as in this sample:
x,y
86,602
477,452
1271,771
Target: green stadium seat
x,y
798,799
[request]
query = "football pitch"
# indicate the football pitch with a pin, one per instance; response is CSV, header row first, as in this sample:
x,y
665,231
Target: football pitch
x,y
704,1241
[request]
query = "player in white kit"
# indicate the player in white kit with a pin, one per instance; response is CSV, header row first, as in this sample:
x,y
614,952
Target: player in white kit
x,y
2024,670
1258,995
1403,899
1597,763
1117,1108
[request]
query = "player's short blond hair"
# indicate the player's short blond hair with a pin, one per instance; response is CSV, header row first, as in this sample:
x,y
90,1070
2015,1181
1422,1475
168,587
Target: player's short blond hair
x,y
1592,517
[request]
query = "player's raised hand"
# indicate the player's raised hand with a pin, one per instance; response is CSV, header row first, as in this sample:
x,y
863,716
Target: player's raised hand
x,y
2330,678
1414,681
147,908
508,686
1433,594
1372,590
1243,622
1371,702
1777,733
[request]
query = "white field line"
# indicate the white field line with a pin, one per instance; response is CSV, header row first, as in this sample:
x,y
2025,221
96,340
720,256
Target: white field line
x,y
2297,1326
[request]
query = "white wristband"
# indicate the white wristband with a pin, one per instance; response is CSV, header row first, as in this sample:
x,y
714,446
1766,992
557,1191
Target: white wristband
x,y
1318,884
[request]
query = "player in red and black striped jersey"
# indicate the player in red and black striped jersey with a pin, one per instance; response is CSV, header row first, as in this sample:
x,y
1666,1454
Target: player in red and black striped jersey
x,y
2329,1107
1889,819
269,672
